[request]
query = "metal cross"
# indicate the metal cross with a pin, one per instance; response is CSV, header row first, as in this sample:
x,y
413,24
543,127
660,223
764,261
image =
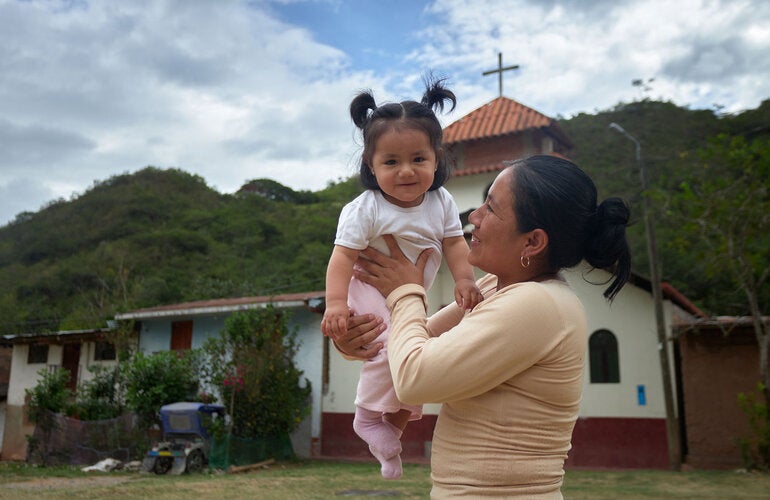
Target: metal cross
x,y
500,70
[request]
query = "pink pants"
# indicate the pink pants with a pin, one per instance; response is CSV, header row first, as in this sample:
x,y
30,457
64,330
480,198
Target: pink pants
x,y
375,390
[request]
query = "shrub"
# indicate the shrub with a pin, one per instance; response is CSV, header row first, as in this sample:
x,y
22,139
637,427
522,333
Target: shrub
x,y
755,449
49,397
159,379
251,365
101,397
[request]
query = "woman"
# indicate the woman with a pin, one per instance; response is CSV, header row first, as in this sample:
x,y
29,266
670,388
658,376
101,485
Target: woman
x,y
509,372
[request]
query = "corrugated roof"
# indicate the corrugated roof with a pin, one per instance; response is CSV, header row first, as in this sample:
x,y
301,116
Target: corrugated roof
x,y
499,117
202,307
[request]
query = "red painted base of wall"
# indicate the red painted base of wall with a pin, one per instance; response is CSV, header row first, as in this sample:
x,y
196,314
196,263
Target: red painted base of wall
x,y
339,440
623,443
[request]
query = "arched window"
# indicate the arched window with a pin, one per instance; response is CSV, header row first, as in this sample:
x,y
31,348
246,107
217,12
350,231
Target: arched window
x,y
603,357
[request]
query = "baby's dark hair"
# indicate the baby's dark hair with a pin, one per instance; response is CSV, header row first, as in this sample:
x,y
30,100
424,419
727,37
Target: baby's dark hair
x,y
374,120
555,195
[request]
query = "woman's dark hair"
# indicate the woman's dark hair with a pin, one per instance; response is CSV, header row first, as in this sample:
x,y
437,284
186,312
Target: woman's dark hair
x,y
555,195
375,120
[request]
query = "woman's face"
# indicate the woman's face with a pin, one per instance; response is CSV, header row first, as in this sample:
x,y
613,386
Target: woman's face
x,y
496,242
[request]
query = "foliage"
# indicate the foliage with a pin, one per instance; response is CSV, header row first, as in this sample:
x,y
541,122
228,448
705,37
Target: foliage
x,y
722,207
272,190
51,394
158,379
49,397
251,365
755,449
163,236
101,397
723,210
132,241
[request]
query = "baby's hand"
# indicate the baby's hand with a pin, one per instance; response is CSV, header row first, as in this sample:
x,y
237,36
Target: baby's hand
x,y
335,320
467,294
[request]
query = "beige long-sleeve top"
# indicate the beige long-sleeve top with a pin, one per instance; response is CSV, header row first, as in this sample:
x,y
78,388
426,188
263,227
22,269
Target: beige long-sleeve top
x,y
509,376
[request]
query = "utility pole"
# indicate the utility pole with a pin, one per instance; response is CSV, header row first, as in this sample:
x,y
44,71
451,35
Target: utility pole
x,y
499,71
672,425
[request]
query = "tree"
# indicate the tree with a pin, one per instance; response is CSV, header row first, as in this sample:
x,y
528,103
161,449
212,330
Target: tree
x,y
251,365
724,209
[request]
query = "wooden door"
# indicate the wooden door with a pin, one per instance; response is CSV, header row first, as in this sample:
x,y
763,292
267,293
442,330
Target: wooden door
x,y
71,362
181,335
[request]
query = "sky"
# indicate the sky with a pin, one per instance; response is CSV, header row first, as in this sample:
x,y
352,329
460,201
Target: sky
x,y
238,90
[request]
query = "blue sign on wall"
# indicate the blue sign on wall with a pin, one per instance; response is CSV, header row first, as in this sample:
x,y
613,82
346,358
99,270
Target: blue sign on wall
x,y
640,395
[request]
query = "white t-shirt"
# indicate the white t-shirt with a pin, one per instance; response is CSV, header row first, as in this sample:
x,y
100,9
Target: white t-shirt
x,y
364,220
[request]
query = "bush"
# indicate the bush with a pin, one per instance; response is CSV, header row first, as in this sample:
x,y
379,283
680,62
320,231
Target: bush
x,y
101,397
251,365
755,449
49,397
159,379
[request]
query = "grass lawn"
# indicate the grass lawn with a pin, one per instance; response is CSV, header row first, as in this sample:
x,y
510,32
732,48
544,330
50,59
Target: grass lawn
x,y
325,479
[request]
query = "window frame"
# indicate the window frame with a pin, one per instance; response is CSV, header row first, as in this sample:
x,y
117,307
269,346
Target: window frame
x,y
603,357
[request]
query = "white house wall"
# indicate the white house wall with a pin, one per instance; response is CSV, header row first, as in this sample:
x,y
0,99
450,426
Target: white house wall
x,y
25,376
631,319
468,190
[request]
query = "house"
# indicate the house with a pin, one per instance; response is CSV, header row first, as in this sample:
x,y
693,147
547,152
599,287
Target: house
x,y
622,420
74,350
714,420
172,327
184,326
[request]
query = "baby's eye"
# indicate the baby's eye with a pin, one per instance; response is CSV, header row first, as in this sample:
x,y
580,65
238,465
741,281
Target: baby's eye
x,y
390,162
419,159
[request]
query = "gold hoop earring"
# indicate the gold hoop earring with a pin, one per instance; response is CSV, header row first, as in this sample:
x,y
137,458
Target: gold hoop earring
x,y
524,263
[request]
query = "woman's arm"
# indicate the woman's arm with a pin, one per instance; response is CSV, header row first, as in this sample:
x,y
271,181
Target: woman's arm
x,y
503,336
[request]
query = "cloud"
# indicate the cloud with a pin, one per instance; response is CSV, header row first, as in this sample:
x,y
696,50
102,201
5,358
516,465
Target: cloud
x,y
15,196
244,89
582,56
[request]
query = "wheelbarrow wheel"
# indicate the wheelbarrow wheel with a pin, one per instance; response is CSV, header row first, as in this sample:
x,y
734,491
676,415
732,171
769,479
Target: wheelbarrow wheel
x,y
163,464
195,461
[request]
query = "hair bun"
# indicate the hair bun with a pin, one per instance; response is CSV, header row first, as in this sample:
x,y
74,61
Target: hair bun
x,y
613,212
435,94
360,108
606,246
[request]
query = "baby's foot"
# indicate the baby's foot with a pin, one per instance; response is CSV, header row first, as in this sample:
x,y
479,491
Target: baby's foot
x,y
390,467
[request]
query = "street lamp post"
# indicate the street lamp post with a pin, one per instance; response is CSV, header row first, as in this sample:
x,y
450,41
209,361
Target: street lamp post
x,y
672,427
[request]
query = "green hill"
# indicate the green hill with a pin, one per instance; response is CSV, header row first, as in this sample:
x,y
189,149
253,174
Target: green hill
x,y
157,237
164,236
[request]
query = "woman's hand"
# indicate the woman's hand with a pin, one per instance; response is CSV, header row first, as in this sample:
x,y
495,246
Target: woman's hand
x,y
388,273
357,341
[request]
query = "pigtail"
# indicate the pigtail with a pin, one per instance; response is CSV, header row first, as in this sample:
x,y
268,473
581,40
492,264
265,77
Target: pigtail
x,y
436,94
360,107
606,245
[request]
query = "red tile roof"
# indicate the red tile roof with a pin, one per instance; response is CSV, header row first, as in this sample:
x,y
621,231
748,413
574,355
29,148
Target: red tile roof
x,y
499,117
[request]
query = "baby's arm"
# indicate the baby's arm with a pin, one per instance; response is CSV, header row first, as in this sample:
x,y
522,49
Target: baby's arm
x,y
467,294
338,274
